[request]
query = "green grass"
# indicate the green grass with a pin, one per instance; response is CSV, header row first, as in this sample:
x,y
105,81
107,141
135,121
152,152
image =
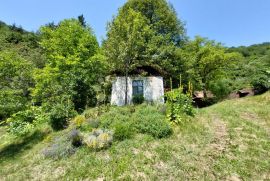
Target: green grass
x,y
229,140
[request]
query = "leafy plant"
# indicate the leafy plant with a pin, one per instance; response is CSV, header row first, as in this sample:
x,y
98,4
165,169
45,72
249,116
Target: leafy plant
x,y
148,120
179,105
123,130
60,114
23,122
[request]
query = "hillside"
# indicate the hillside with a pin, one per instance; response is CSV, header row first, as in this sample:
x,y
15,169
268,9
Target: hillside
x,y
229,140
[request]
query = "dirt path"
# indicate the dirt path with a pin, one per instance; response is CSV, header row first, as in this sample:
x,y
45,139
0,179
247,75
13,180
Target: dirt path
x,y
221,138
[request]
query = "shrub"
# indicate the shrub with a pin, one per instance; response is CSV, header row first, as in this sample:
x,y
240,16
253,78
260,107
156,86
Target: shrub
x,y
59,150
63,145
154,125
137,99
59,116
79,120
99,139
179,106
117,115
122,130
23,122
261,82
220,88
148,120
11,101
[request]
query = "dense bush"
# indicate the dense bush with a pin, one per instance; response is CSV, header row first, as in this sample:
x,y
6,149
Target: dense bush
x,y
15,81
99,139
261,82
60,114
179,105
221,88
116,114
123,130
23,122
148,120
144,119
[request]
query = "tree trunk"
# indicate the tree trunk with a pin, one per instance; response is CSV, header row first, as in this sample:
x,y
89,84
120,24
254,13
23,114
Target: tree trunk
x,y
126,81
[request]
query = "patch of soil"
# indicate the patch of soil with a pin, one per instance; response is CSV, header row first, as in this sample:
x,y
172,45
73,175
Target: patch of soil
x,y
221,138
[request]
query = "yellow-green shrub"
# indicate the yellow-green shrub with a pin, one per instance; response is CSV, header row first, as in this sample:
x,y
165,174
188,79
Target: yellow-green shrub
x,y
79,120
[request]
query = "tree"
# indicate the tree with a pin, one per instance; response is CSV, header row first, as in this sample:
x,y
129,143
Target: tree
x,y
16,80
169,33
153,28
126,39
162,18
206,60
72,67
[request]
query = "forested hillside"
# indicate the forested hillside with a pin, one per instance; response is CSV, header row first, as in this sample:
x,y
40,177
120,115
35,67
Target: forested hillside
x,y
254,69
20,54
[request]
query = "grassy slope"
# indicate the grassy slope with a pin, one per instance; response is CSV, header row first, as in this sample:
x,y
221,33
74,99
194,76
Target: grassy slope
x,y
229,140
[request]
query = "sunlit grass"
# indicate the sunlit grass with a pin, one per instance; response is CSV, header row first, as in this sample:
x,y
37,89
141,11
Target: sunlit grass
x,y
229,140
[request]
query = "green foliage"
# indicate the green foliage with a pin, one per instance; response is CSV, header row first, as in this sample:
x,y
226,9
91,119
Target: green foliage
x,y
99,139
206,61
60,114
123,130
253,70
24,122
79,120
221,88
16,79
144,119
73,66
145,32
137,99
179,106
148,120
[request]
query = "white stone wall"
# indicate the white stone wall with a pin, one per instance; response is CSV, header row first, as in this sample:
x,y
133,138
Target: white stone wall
x,y
153,90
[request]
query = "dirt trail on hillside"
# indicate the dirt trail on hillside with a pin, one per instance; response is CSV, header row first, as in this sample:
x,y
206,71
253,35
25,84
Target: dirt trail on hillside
x,y
221,137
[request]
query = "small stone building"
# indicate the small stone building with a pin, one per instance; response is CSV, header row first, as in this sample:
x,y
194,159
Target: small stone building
x,y
145,81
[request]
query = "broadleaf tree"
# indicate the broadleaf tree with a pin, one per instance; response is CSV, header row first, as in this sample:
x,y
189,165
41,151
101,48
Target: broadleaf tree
x,y
72,67
159,35
125,45
206,60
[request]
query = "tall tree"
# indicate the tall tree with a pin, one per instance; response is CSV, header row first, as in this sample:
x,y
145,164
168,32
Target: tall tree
x,y
145,32
72,65
169,32
125,47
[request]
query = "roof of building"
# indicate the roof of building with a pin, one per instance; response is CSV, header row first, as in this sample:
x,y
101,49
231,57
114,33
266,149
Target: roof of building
x,y
145,70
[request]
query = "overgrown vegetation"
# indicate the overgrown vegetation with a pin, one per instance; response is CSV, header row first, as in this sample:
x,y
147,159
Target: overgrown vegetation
x,y
60,78
229,140
179,106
